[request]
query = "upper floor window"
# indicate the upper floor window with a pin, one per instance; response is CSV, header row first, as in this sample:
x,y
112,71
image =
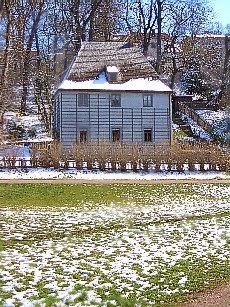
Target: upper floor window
x,y
83,100
147,100
115,100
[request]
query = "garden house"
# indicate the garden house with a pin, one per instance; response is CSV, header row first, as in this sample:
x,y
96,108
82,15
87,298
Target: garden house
x,y
112,93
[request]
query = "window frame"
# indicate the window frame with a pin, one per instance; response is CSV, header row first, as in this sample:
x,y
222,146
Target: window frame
x,y
116,130
84,102
83,139
148,132
147,100
115,97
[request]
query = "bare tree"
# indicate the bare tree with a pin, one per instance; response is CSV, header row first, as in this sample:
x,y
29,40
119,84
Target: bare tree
x,y
22,21
141,20
36,11
1,8
105,20
225,80
182,19
77,16
159,4
5,57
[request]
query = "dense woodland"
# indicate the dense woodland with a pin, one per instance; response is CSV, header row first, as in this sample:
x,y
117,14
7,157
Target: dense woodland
x,y
38,39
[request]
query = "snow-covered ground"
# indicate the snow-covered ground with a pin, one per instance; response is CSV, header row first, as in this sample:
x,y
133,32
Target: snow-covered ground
x,y
42,173
197,130
217,119
34,129
157,245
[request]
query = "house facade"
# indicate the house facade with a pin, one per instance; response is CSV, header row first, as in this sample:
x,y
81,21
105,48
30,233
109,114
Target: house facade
x,y
112,93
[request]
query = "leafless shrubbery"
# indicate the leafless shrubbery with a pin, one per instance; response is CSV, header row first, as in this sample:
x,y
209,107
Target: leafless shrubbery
x,y
114,156
34,157
135,158
53,156
204,153
10,159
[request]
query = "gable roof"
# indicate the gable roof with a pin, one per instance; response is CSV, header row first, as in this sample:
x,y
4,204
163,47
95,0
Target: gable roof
x,y
94,57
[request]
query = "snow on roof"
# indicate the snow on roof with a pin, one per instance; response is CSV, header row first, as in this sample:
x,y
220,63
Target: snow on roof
x,y
112,69
101,84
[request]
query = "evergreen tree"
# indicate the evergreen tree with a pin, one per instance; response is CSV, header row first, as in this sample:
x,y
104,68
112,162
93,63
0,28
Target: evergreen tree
x,y
193,82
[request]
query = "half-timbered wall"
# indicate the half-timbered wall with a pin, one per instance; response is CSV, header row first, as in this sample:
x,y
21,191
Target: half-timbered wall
x,y
99,119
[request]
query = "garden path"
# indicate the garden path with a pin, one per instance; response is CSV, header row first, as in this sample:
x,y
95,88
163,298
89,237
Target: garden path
x,y
217,297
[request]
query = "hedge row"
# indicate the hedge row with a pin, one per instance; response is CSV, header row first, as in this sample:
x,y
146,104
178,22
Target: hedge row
x,y
110,156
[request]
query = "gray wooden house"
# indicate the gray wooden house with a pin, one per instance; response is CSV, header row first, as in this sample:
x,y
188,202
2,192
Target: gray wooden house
x,y
112,93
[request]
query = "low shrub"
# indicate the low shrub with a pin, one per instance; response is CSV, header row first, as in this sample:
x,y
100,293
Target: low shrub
x,y
124,156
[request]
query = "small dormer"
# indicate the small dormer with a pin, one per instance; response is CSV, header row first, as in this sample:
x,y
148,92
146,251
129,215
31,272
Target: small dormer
x,y
112,73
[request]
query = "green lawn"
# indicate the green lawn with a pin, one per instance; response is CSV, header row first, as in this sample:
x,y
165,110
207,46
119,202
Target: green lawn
x,y
112,245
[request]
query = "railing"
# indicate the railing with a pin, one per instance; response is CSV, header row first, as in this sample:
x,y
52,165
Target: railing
x,y
39,145
183,108
202,105
196,104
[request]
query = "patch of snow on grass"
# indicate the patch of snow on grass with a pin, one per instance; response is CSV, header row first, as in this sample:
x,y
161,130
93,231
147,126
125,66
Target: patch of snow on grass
x,y
152,247
41,173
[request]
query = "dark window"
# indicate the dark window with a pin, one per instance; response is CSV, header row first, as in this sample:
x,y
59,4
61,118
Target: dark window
x,y
115,100
83,136
83,100
147,100
116,135
148,135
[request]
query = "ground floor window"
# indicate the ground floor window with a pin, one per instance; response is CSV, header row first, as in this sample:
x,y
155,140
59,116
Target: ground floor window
x,y
116,135
147,135
83,136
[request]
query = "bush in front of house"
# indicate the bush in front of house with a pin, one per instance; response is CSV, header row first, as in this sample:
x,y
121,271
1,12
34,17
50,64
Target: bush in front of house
x,y
129,156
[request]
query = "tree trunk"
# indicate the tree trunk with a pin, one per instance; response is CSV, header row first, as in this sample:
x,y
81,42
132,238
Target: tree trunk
x,y
5,61
225,77
159,22
26,62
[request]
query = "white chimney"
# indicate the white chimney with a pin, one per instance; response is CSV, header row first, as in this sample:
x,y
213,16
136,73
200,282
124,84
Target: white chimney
x,y
112,73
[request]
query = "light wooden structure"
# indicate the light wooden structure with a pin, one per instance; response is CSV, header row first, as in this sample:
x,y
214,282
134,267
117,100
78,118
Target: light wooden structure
x,y
111,92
